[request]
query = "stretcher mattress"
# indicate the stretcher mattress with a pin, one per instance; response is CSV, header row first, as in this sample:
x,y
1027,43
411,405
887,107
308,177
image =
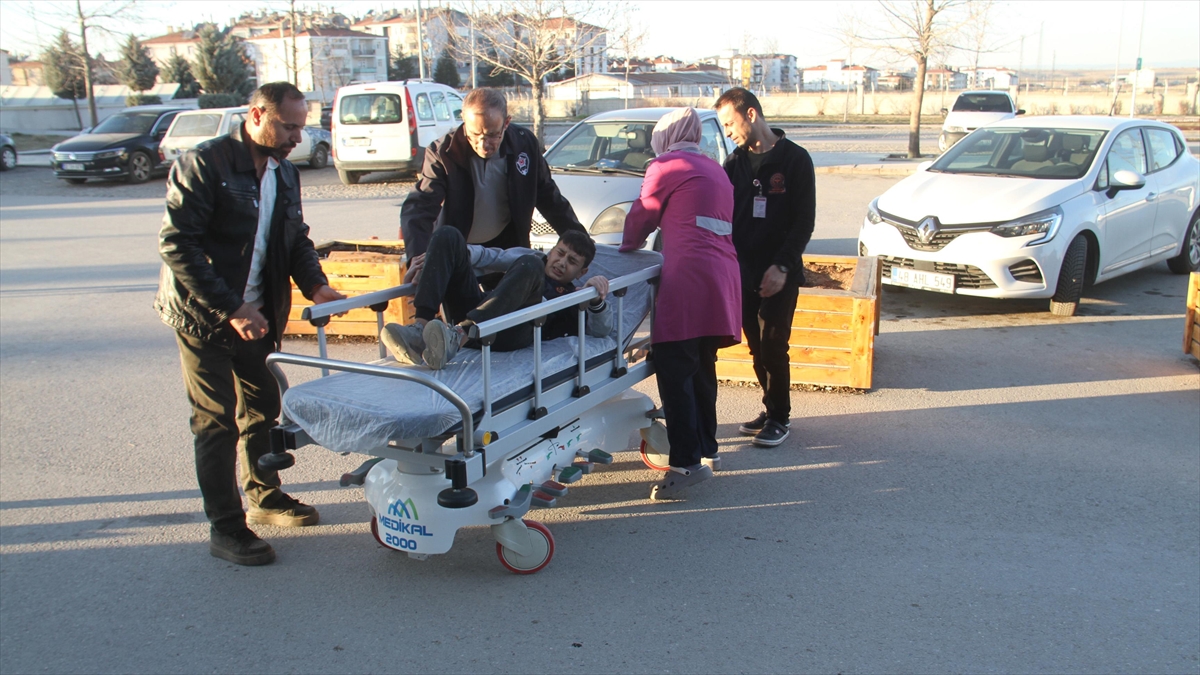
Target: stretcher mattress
x,y
349,412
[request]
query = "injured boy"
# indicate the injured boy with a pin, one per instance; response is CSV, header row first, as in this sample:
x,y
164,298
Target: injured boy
x,y
447,275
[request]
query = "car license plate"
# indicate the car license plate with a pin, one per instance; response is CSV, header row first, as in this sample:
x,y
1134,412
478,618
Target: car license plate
x,y
357,142
929,281
72,166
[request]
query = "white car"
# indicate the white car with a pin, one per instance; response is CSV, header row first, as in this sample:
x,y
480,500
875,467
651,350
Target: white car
x,y
599,165
193,127
1040,208
974,109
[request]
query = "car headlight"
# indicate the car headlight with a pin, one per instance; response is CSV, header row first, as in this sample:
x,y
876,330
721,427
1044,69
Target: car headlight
x,y
611,219
1045,223
956,130
110,153
873,216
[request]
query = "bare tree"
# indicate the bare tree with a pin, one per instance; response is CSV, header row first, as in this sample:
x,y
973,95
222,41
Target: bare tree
x,y
627,36
533,38
916,30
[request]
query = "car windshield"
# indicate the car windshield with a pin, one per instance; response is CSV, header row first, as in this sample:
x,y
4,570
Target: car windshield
x,y
196,125
619,146
1033,152
127,123
993,103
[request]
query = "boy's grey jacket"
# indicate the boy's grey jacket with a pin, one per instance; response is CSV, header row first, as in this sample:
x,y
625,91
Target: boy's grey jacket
x,y
492,260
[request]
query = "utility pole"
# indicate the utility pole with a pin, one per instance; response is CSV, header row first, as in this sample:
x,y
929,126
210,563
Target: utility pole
x,y
295,63
1137,71
1041,34
420,42
1021,68
474,68
1112,108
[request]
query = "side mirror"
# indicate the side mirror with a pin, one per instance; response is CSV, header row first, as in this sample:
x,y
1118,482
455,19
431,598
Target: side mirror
x,y
1020,111
1125,180
945,112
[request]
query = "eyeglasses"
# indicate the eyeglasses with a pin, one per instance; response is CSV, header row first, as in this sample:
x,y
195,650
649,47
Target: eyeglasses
x,y
495,136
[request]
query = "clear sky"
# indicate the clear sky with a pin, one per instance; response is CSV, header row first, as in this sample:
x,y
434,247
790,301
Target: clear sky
x,y
1068,33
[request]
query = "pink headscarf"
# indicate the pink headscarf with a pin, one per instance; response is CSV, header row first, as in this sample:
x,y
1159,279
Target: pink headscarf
x,y
676,130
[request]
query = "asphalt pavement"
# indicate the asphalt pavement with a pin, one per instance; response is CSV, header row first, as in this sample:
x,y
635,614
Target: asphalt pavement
x,y
1018,493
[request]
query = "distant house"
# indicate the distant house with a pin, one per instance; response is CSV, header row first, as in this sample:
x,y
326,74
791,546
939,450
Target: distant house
x,y
323,58
894,80
665,64
945,78
5,73
993,78
1143,79
27,73
181,41
635,65
836,75
596,86
761,72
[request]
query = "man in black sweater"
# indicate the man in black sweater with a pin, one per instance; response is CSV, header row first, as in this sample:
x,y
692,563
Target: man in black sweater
x,y
774,209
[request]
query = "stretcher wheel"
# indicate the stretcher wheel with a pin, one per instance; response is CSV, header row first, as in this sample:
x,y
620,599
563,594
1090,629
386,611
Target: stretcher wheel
x,y
375,533
543,543
653,458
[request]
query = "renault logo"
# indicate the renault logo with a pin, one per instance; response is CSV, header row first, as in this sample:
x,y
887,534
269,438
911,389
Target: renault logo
x,y
927,230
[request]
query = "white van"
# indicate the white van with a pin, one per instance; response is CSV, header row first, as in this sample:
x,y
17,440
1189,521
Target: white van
x,y
386,126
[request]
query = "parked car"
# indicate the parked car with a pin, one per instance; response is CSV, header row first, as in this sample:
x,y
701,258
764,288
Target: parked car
x,y
327,118
599,165
386,126
123,146
8,152
1041,207
196,126
974,109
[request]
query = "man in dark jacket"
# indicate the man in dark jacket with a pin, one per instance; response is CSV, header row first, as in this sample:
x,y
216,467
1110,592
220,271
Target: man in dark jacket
x,y
232,235
774,209
484,179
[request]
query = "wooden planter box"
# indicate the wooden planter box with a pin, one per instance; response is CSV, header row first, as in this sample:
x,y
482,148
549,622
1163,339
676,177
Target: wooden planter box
x,y
1191,329
355,267
833,332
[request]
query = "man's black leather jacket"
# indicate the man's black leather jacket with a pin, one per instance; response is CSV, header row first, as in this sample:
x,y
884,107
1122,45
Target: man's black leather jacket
x,y
207,240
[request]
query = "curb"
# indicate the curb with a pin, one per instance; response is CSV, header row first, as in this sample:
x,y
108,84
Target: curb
x,y
869,169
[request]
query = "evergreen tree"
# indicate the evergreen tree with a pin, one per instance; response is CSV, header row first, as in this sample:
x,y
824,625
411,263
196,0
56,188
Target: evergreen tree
x,y
446,70
137,69
221,66
402,67
179,70
62,67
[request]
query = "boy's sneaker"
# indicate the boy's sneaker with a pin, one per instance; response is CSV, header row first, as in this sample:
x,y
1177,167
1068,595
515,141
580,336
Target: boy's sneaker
x,y
406,343
242,547
441,343
756,425
675,480
773,433
713,462
285,511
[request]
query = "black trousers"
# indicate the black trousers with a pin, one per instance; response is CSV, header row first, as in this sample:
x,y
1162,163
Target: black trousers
x,y
235,402
449,281
686,371
767,323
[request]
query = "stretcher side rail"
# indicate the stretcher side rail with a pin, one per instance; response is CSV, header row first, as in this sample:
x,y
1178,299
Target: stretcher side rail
x,y
318,315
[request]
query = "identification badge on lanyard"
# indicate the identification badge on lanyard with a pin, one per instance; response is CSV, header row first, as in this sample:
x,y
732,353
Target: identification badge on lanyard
x,y
760,202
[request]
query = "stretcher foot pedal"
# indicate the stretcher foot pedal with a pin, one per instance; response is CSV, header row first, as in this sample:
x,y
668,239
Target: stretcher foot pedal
x,y
597,456
585,467
516,507
570,474
359,475
543,500
553,488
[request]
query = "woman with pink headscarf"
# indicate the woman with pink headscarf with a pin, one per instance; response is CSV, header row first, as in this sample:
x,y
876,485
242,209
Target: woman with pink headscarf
x,y
688,197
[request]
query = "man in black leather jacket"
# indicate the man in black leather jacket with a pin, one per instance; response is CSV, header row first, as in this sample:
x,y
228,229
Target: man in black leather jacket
x,y
484,179
232,235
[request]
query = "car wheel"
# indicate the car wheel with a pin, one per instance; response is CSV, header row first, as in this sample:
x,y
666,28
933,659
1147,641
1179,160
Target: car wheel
x,y
319,158
8,158
941,142
76,181
1070,278
139,167
1188,259
349,177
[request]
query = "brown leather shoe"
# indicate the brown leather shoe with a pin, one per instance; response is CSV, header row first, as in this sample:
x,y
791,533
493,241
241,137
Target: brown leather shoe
x,y
284,512
241,547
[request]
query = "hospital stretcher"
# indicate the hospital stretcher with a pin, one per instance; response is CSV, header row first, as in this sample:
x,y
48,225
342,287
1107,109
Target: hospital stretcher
x,y
490,436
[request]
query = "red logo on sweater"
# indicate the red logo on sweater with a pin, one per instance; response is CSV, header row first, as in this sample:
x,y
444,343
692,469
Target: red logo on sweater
x,y
777,186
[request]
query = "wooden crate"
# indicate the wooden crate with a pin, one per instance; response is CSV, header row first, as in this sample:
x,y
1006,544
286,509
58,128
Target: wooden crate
x,y
355,267
1191,329
833,332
